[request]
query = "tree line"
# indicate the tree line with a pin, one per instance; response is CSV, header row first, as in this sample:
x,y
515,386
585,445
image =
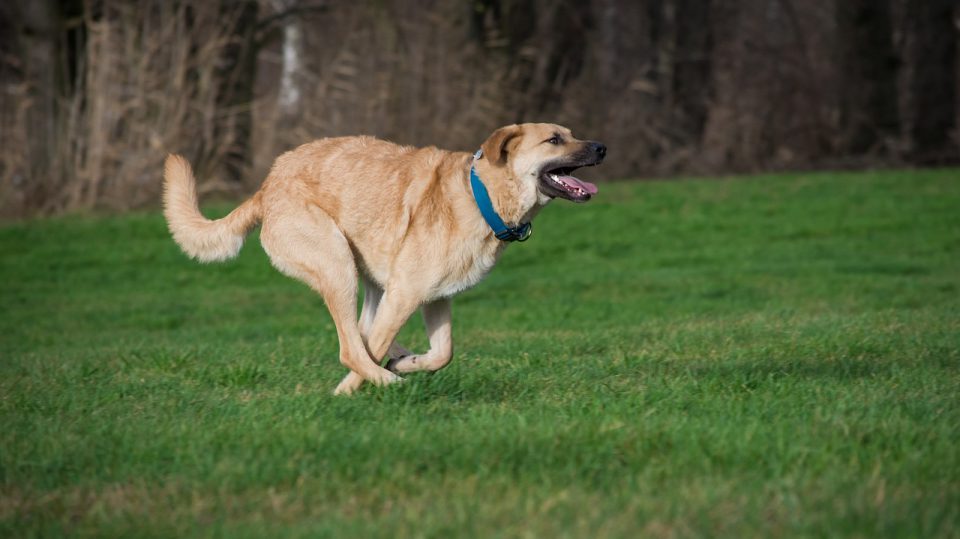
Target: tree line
x,y
95,92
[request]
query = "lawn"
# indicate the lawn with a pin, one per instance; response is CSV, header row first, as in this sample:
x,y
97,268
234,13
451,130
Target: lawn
x,y
750,357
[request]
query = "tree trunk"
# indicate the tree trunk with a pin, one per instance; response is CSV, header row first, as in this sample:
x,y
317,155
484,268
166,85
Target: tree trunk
x,y
290,93
691,72
40,46
721,141
868,103
236,77
932,51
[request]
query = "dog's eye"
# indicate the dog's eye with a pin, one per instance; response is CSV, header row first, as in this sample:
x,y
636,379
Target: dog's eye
x,y
554,140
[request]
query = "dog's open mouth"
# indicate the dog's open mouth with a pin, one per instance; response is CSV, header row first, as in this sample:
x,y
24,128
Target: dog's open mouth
x,y
557,182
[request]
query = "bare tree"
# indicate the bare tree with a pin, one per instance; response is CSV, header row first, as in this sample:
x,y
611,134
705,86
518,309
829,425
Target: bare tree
x,y
931,50
869,68
236,74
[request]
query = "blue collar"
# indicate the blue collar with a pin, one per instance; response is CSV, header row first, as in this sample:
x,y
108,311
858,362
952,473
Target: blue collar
x,y
500,229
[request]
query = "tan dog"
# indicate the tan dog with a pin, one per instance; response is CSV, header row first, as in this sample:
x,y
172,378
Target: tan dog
x,y
403,219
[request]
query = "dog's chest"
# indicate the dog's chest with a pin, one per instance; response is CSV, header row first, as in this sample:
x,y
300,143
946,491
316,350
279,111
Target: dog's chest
x,y
468,269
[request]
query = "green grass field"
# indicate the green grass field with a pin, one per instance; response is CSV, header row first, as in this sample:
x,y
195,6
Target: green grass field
x,y
770,356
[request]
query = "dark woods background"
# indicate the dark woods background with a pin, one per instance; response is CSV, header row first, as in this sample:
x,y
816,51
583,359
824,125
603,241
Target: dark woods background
x,y
95,92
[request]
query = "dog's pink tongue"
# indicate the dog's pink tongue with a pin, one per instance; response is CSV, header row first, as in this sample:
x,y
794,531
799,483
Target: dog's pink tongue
x,y
572,182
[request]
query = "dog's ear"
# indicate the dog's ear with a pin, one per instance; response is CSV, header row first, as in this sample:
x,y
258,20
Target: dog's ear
x,y
497,147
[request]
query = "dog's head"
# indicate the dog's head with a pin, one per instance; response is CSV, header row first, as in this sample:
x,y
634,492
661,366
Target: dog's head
x,y
541,157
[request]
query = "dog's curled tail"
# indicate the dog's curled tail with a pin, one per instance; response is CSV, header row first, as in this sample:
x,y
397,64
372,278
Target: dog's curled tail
x,y
199,237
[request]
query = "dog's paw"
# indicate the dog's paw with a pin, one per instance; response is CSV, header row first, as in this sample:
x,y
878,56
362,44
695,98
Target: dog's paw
x,y
416,362
352,382
344,389
384,377
391,364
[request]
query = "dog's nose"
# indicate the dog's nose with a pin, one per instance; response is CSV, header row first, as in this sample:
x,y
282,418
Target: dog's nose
x,y
599,149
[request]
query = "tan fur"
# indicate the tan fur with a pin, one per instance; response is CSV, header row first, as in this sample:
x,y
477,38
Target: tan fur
x,y
403,220
205,240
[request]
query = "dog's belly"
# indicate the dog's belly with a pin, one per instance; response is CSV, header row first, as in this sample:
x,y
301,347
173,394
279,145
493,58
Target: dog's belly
x,y
378,275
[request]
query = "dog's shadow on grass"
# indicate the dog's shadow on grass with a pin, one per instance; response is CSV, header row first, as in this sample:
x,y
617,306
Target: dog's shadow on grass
x,y
459,386
447,387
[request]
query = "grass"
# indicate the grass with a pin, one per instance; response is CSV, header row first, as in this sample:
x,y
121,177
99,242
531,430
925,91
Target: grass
x,y
776,355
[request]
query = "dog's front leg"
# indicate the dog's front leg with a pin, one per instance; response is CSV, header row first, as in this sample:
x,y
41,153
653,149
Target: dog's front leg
x,y
392,311
437,319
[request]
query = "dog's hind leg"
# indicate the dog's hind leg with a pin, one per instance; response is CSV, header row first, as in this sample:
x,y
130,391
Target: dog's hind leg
x,y
437,319
394,308
372,293
308,245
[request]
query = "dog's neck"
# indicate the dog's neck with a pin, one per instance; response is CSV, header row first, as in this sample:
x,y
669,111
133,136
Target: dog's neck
x,y
504,191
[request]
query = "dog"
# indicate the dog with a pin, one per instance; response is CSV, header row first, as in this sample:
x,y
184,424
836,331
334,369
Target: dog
x,y
414,225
